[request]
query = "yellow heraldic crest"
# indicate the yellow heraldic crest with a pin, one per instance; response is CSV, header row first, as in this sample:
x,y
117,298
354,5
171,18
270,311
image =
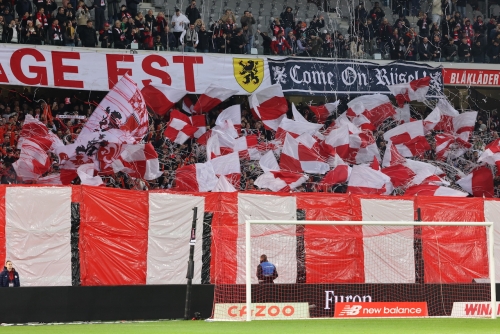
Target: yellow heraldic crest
x,y
249,72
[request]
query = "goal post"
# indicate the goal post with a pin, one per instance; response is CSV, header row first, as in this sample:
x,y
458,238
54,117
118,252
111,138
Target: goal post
x,y
465,297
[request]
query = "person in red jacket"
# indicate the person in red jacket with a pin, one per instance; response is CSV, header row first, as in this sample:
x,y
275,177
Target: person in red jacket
x,y
42,18
280,45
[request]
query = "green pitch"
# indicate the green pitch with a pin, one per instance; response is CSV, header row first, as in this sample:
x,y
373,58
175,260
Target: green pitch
x,y
350,326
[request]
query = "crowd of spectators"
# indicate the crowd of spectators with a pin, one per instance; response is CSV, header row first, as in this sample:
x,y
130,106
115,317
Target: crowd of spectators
x,y
442,34
14,107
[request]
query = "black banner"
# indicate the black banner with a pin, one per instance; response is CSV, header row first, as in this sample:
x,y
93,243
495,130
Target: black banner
x,y
320,77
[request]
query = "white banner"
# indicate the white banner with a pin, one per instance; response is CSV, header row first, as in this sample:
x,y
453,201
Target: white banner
x,y
473,309
261,311
90,70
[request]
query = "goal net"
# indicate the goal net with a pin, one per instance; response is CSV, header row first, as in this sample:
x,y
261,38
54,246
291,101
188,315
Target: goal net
x,y
325,269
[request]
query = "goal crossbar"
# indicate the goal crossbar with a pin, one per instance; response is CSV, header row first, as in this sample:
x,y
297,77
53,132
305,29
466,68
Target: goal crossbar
x,y
248,252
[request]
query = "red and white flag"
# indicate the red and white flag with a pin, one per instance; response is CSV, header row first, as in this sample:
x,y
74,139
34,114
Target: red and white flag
x,y
223,185
200,122
162,98
409,172
280,181
187,105
448,143
366,180
269,105
376,108
441,118
232,113
344,120
491,155
479,183
212,97
213,147
124,109
139,161
198,177
362,148
464,122
297,116
50,179
33,161
338,175
247,147
337,142
179,129
408,138
295,128
105,156
302,155
324,111
228,166
268,162
415,90
403,114
38,132
86,174
392,156
432,190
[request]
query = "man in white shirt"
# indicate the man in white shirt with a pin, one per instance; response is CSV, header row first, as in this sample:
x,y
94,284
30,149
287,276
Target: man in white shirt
x,y
179,22
189,39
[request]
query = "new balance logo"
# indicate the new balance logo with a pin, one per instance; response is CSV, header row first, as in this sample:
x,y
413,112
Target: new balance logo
x,y
350,310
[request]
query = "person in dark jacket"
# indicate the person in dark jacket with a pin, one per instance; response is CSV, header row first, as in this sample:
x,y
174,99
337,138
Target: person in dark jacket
x,y
287,20
132,7
266,42
192,13
9,277
360,12
55,34
424,25
494,52
464,51
204,39
99,8
168,39
237,42
266,271
113,10
23,7
106,36
119,39
88,36
450,51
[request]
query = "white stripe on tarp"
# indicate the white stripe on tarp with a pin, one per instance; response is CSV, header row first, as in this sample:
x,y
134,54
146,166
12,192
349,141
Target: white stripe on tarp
x,y
170,220
278,242
38,234
388,250
492,214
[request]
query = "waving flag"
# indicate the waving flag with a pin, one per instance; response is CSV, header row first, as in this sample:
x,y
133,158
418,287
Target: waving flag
x,y
228,166
408,138
32,163
280,181
247,147
415,90
491,155
431,190
337,142
362,148
376,108
366,180
464,122
139,161
478,183
295,128
179,129
200,122
212,97
302,155
441,118
324,111
86,174
269,105
232,113
223,185
195,178
187,105
37,132
162,98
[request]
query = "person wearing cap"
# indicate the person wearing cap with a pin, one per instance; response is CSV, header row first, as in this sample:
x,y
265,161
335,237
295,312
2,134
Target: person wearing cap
x,y
106,36
179,23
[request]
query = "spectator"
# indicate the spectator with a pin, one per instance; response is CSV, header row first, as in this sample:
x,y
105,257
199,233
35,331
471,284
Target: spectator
x,y
204,40
316,25
61,16
82,17
119,39
437,48
341,46
7,16
266,44
247,49
360,12
32,34
180,22
402,23
192,13
369,36
377,14
399,50
189,39
13,32
70,36
168,39
147,39
88,36
450,51
479,25
464,51
23,6
494,52
99,8
356,48
328,46
106,36
385,34
248,19
316,46
478,49
287,19
55,34
228,14
494,33
266,271
158,45
124,13
276,27
132,6
461,4
42,19
139,21
492,24
159,24
150,22
9,277
113,10
238,42
424,25
425,50
437,12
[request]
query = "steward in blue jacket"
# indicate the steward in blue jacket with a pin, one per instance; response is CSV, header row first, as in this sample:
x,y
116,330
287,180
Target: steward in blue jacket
x,y
266,271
